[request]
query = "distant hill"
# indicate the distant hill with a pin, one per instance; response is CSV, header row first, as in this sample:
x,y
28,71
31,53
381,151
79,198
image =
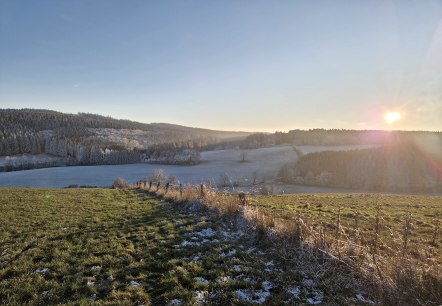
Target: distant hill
x,y
85,138
337,137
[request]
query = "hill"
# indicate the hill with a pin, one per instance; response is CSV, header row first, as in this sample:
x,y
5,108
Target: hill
x,y
126,247
85,139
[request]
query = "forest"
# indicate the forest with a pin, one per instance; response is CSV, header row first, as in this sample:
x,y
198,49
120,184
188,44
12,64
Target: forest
x,y
399,167
333,137
88,139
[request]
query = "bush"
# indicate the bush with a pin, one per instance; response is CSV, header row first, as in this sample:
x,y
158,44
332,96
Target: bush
x,y
120,183
158,176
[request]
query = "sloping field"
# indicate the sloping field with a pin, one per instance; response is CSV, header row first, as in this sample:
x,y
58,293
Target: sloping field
x,y
261,165
115,247
356,215
126,247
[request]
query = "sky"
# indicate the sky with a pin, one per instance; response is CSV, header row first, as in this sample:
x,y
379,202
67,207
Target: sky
x,y
228,65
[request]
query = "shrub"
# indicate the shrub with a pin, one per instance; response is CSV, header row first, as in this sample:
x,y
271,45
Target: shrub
x,y
120,183
158,176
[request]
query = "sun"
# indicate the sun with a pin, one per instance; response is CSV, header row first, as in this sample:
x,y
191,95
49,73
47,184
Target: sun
x,y
392,117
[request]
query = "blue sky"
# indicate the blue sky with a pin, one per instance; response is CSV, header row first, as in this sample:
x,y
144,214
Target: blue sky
x,y
231,65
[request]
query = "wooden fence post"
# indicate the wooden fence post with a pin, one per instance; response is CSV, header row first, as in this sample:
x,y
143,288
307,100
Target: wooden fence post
x,y
202,191
242,199
181,191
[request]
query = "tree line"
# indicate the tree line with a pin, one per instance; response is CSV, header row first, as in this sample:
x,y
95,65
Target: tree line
x,y
399,167
329,137
79,139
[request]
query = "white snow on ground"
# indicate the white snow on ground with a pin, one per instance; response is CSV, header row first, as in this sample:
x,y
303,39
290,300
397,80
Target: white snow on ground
x,y
30,158
175,302
237,268
134,284
249,295
295,291
195,243
263,163
363,299
129,138
309,283
203,233
317,298
201,280
42,270
223,279
200,297
267,285
313,149
229,253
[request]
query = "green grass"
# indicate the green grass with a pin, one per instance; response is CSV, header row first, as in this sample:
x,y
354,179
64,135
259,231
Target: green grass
x,y
129,235
99,241
358,211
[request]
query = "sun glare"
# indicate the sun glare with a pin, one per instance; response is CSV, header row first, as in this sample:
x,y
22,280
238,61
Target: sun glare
x,y
392,117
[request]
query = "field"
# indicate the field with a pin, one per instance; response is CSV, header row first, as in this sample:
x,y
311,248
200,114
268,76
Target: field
x,y
130,247
261,164
355,214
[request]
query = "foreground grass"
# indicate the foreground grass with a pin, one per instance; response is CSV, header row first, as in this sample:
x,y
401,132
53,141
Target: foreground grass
x,y
356,214
388,244
126,247
56,242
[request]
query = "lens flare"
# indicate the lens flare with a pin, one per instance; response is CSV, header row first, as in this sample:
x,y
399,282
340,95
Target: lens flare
x,y
392,117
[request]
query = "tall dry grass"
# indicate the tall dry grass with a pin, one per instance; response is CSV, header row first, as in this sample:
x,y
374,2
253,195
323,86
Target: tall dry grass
x,y
390,272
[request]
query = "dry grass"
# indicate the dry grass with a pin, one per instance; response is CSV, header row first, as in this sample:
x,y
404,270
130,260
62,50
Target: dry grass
x,y
358,255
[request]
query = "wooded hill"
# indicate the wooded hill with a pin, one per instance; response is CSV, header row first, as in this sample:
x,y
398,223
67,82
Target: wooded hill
x,y
406,167
334,137
83,139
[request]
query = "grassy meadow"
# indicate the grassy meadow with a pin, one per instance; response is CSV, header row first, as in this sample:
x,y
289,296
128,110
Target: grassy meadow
x,y
134,247
411,218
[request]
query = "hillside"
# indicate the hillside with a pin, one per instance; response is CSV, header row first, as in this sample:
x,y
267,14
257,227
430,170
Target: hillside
x,y
88,139
129,247
405,167
335,137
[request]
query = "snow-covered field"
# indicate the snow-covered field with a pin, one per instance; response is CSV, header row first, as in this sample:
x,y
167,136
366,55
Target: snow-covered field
x,y
29,158
261,164
313,149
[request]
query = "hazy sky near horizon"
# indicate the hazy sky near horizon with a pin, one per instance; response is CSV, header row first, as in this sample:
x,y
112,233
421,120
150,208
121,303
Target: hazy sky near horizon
x,y
231,65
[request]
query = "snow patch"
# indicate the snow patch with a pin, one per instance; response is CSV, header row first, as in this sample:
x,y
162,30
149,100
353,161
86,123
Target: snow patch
x,y
223,279
200,297
363,299
42,270
295,291
201,280
230,253
175,302
257,297
266,285
309,283
316,299
206,233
